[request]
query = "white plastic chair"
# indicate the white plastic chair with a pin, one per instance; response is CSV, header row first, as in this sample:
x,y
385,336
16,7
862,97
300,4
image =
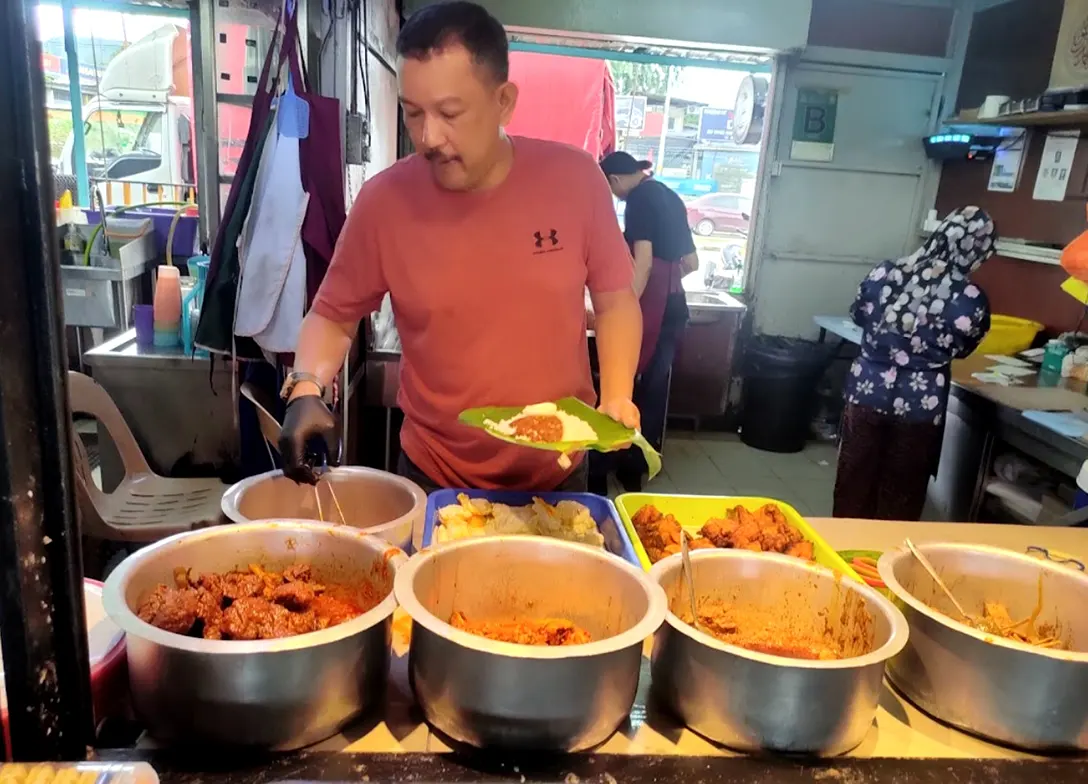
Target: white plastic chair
x,y
145,507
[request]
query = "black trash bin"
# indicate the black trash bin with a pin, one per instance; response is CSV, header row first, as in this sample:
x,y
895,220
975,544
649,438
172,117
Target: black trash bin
x,y
779,392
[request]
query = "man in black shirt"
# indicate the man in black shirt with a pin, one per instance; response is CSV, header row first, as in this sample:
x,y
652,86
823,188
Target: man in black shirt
x,y
655,219
656,229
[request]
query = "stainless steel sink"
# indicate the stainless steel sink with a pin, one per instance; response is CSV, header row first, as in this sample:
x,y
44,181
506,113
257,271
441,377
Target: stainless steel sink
x,y
712,300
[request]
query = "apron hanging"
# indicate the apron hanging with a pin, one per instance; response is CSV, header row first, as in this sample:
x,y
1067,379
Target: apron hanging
x,y
271,299
215,331
322,177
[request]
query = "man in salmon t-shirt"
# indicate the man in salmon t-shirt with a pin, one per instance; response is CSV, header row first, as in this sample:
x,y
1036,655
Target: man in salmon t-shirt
x,y
486,245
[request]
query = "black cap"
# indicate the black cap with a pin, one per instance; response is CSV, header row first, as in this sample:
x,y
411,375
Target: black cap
x,y
623,163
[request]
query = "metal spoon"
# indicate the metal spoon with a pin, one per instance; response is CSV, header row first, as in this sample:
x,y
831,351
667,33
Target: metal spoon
x,y
685,556
940,583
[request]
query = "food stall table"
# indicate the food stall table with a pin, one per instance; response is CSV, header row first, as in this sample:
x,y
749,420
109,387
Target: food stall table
x,y
900,730
592,768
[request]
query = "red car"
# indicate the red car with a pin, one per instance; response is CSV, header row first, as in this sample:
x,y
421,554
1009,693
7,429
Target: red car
x,y
719,212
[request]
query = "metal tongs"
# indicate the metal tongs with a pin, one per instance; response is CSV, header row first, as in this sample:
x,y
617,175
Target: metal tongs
x,y
971,621
317,460
689,577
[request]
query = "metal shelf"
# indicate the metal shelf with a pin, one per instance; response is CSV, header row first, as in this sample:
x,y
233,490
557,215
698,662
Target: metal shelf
x,y
1013,249
1029,120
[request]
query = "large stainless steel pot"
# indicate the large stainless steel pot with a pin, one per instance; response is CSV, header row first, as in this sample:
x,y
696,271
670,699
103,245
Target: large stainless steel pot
x,y
498,694
380,503
752,701
1024,696
271,694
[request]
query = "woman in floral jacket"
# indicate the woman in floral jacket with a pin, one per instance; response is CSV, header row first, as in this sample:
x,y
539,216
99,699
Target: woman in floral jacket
x,y
918,314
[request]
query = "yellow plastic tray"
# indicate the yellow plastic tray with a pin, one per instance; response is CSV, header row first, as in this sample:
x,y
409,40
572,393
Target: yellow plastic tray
x,y
1008,335
692,511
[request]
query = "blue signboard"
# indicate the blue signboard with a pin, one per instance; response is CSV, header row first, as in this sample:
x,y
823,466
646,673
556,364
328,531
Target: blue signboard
x,y
715,125
688,186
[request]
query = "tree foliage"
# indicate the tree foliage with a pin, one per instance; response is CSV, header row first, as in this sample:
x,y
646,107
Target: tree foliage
x,y
638,78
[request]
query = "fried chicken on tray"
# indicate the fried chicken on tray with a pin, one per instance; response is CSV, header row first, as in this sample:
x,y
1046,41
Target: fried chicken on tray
x,y
766,530
660,534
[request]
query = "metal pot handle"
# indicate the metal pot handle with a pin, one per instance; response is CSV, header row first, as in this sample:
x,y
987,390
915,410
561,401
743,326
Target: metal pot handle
x,y
394,556
1065,559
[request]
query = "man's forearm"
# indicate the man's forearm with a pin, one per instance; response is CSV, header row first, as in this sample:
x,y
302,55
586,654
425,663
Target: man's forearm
x,y
643,253
619,337
322,346
642,277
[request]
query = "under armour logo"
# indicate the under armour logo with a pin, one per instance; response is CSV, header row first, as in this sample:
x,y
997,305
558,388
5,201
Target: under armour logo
x,y
552,237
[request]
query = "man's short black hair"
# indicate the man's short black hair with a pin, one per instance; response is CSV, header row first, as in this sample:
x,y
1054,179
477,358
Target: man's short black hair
x,y
436,26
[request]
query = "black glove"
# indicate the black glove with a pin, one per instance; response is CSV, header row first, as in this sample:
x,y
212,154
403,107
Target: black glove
x,y
308,419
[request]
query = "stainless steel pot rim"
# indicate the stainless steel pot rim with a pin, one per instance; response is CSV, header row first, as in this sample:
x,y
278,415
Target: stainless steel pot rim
x,y
403,587
233,496
887,574
118,610
896,641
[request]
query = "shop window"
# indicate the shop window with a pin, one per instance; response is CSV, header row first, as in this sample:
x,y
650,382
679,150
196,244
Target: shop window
x,y
233,129
135,109
112,136
243,33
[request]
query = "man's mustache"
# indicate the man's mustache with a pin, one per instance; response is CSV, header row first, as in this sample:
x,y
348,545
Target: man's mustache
x,y
435,156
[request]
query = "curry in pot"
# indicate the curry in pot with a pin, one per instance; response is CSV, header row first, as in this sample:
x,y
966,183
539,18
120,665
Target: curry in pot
x,y
254,604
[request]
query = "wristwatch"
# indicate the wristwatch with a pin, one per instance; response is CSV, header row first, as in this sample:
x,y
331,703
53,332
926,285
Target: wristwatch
x,y
293,380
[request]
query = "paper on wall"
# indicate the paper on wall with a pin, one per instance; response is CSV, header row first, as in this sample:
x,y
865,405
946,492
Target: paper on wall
x,y
1056,163
1008,161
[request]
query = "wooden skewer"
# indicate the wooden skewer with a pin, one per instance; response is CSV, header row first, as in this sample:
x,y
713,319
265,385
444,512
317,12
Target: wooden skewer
x,y
317,497
339,511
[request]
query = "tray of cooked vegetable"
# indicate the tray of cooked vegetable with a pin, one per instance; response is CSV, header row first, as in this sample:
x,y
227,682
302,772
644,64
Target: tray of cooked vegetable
x,y
1013,665
584,518
653,522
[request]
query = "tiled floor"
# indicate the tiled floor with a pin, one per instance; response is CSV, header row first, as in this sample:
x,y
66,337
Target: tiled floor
x,y
714,464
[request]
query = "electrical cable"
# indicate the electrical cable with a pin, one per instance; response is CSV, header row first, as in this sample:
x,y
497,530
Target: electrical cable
x,y
98,91
365,49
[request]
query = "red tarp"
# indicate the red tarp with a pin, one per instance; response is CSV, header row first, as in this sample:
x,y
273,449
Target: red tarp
x,y
564,99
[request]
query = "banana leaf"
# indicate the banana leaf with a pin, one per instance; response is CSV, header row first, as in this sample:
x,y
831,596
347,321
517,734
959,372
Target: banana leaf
x,y
611,435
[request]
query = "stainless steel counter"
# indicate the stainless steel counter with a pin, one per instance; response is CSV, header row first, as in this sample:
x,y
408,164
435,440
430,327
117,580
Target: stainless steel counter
x,y
704,365
178,407
981,421
899,730
706,307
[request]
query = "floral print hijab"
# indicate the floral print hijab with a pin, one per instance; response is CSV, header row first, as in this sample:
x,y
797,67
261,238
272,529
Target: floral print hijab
x,y
920,285
918,314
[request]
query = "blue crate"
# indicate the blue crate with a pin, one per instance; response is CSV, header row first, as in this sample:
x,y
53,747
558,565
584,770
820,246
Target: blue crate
x,y
604,514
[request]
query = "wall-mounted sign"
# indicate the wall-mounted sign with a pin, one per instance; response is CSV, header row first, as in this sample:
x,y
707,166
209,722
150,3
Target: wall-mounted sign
x,y
1057,160
630,112
1008,161
715,125
814,124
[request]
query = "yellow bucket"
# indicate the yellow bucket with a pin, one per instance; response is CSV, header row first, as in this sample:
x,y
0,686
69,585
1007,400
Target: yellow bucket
x,y
1008,335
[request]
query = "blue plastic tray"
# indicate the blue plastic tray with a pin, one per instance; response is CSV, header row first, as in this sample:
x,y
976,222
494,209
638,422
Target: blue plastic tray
x,y
616,540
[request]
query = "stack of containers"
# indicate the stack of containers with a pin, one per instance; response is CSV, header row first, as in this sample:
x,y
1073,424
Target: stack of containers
x,y
167,307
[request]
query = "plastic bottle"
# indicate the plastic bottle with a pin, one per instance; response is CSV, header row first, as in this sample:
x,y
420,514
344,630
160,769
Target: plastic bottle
x,y
78,773
73,240
168,307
